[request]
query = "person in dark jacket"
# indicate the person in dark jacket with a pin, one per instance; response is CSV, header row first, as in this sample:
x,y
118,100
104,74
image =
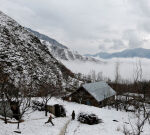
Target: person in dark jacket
x,y
73,115
50,120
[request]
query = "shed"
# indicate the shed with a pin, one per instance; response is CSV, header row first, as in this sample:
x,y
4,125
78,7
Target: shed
x,y
57,110
96,94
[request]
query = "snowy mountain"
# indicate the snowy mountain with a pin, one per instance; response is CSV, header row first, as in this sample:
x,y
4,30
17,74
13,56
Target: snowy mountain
x,y
22,55
128,53
46,38
60,51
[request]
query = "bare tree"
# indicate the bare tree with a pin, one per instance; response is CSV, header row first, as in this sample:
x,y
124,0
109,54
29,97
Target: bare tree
x,y
47,91
3,86
137,129
117,74
100,76
19,100
19,97
138,72
23,104
93,75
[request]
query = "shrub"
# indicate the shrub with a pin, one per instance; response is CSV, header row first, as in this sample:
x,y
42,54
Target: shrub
x,y
38,106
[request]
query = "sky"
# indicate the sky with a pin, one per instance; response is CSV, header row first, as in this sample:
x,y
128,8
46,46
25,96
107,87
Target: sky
x,y
86,26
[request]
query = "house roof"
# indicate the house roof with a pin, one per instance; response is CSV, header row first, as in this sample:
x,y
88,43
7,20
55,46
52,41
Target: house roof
x,y
99,90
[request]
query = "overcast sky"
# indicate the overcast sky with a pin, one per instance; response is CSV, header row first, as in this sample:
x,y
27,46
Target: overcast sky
x,y
87,26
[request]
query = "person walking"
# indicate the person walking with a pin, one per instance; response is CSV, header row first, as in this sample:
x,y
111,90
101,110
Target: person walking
x,y
73,115
50,120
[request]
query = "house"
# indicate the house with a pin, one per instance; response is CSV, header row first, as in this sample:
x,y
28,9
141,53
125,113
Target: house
x,y
96,94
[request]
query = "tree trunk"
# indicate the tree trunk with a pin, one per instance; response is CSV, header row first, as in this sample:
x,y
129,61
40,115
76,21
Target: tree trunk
x,y
46,109
46,112
5,112
18,124
5,120
19,118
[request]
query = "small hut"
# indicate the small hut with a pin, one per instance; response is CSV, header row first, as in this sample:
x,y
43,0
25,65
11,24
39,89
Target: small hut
x,y
97,94
57,110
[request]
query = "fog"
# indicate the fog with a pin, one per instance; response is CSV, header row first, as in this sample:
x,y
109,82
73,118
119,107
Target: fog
x,y
127,67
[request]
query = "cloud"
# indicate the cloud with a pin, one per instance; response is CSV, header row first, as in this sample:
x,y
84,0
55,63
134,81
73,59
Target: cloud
x,y
140,7
118,44
111,44
141,11
134,38
83,25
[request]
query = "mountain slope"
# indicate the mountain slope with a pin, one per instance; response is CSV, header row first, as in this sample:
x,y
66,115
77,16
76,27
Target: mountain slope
x,y
46,38
60,51
23,56
129,53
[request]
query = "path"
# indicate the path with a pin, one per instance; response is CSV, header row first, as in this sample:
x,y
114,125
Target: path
x,y
70,128
63,130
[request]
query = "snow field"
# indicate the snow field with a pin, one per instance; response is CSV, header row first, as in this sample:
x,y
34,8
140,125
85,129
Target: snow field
x,y
108,127
34,122
34,125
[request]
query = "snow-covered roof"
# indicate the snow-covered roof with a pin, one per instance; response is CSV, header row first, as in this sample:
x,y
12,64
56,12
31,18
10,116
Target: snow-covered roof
x,y
99,90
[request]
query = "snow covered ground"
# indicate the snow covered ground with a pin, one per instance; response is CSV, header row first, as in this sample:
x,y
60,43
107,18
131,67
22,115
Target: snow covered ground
x,y
127,67
34,122
34,125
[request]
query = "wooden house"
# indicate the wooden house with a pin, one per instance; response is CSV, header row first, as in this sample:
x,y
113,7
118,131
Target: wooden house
x,y
96,94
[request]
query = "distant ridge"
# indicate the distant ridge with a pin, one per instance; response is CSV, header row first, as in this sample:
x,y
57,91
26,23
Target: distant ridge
x,y
60,51
128,53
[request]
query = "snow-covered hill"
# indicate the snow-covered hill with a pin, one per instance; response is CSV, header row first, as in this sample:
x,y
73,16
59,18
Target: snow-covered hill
x,y
62,52
22,55
67,54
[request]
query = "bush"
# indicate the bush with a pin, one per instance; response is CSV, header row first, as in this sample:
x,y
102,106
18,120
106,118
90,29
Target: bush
x,y
90,119
38,106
